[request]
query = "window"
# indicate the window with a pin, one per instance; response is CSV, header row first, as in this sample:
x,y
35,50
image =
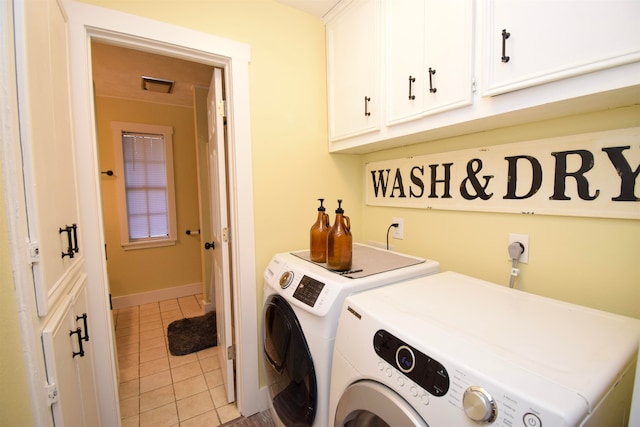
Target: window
x,y
146,193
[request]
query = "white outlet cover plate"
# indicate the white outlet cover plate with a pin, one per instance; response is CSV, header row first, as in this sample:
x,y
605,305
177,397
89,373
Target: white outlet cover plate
x,y
524,239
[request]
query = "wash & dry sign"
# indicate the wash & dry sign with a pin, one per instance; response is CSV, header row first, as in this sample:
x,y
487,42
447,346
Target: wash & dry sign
x,y
594,174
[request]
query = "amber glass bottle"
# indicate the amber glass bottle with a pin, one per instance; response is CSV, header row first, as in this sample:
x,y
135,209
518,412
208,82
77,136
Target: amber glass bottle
x,y
339,242
318,236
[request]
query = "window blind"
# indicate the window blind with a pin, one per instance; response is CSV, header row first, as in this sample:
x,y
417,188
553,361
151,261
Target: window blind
x,y
146,185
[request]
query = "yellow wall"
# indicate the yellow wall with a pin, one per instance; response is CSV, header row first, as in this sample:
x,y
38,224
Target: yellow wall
x,y
15,409
144,270
583,260
287,77
587,261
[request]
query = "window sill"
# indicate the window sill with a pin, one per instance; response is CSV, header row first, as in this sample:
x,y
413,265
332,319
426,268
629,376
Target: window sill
x,y
148,244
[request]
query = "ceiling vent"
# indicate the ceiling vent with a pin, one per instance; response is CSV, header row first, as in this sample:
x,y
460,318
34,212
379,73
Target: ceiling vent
x,y
157,85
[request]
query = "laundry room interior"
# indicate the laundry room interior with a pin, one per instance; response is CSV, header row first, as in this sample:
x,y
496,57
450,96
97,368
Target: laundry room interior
x,y
584,252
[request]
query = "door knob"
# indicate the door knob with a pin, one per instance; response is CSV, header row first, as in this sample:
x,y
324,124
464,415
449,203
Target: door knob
x,y
211,245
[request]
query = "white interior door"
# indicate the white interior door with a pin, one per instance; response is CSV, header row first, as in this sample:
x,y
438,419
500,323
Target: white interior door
x,y
221,276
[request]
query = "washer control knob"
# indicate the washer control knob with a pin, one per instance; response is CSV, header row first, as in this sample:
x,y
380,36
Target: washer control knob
x,y
285,279
479,405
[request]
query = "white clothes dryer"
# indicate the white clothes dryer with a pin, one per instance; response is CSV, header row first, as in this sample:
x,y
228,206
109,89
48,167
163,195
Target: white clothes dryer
x,y
450,350
302,304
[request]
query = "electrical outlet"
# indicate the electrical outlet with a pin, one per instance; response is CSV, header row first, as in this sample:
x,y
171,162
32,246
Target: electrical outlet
x,y
398,232
524,239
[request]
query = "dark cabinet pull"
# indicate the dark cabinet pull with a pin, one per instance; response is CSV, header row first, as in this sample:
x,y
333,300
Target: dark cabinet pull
x,y
78,332
412,80
72,240
211,245
432,89
86,329
505,36
366,106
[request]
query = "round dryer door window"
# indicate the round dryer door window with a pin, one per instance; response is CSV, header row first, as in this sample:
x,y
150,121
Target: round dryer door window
x,y
368,403
291,378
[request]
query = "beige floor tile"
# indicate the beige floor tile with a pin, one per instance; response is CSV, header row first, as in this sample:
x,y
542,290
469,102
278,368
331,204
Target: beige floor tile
x,y
145,309
128,360
127,330
129,373
151,343
128,340
156,398
152,334
194,405
209,364
130,421
208,419
155,381
127,348
189,387
129,389
213,378
153,354
153,367
149,326
219,396
129,407
176,361
228,413
166,415
186,371
150,317
207,352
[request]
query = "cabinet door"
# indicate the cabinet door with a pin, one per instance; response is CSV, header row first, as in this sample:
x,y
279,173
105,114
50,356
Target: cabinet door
x,y
353,47
405,36
429,57
545,41
85,365
60,350
68,354
47,145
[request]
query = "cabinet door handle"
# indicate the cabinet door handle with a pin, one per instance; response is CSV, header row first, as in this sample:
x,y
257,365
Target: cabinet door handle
x,y
86,328
412,80
432,89
78,332
366,106
505,36
70,249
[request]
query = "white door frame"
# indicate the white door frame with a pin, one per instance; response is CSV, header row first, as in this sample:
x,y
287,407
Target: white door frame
x,y
90,22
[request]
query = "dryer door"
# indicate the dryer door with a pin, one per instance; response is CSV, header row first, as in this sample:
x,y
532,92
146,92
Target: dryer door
x,y
291,377
368,403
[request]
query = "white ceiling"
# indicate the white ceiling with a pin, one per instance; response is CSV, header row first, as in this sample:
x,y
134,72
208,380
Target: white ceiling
x,y
318,8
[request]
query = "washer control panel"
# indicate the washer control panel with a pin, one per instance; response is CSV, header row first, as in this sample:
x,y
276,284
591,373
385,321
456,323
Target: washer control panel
x,y
308,290
425,371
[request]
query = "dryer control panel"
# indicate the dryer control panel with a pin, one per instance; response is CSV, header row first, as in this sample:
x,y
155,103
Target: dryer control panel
x,y
425,371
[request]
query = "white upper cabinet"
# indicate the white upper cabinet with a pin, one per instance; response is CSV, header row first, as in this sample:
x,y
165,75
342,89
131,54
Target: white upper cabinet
x,y
428,61
353,49
532,42
442,68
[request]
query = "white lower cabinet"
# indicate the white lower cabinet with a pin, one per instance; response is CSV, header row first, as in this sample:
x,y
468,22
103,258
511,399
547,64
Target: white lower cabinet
x,y
68,351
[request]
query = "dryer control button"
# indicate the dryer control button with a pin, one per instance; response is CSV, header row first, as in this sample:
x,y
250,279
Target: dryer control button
x,y
414,391
401,381
389,372
531,420
285,279
425,399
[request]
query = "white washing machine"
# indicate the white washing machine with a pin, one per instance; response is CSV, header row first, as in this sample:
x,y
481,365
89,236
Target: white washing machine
x,y
302,304
450,350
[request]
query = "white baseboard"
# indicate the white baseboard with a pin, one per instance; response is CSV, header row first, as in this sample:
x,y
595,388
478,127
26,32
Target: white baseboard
x,y
155,296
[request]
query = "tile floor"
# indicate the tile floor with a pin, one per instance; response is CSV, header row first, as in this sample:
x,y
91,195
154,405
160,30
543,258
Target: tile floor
x,y
158,389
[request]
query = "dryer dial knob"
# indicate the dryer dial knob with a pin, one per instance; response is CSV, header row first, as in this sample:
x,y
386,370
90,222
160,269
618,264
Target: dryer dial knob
x,y
479,405
285,279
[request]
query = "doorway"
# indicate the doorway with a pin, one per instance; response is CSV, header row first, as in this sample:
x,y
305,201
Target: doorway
x,y
88,22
